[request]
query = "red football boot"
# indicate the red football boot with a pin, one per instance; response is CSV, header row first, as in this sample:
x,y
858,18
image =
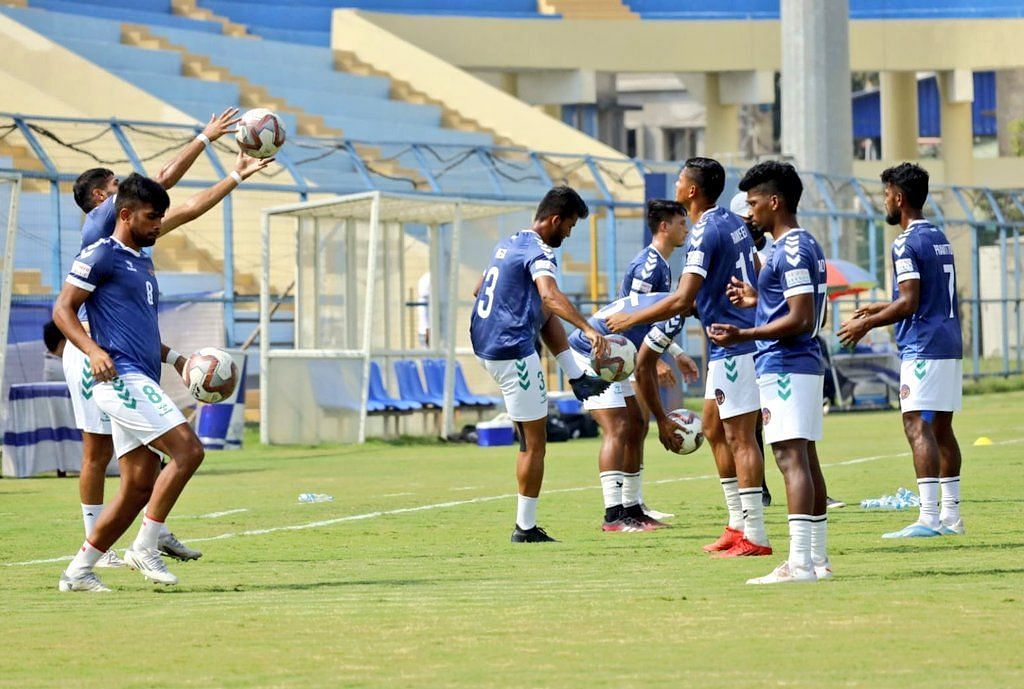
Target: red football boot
x,y
727,540
745,548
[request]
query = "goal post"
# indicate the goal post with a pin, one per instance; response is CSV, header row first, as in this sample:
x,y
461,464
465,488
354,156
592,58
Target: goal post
x,y
10,189
351,258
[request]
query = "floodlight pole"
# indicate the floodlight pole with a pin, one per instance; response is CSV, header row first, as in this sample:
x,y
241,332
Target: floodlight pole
x,y
371,288
448,416
265,333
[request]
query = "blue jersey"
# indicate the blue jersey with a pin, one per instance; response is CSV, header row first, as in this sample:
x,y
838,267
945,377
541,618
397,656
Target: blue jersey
x,y
507,315
658,336
719,248
923,253
795,266
647,272
122,305
99,222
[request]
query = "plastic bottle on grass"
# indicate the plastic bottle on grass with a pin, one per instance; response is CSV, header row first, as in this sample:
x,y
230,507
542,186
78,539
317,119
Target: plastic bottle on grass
x,y
315,497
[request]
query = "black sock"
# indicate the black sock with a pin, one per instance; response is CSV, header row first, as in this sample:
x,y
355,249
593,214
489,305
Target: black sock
x,y
635,511
613,513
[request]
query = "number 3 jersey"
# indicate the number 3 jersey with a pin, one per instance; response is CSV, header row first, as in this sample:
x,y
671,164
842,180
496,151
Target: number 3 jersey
x,y
923,253
658,336
796,265
507,315
122,304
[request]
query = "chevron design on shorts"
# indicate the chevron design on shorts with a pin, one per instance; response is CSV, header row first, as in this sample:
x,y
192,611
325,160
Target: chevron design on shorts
x,y
731,371
785,387
123,393
522,374
920,369
87,380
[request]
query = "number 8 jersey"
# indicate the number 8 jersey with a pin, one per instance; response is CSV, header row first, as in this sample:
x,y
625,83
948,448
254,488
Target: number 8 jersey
x,y
507,315
923,253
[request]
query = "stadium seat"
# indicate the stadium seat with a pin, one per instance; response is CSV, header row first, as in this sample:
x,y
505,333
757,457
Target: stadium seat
x,y
434,371
379,394
410,385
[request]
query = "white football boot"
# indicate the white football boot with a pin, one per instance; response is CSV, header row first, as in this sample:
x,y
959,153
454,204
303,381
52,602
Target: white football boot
x,y
150,565
170,546
110,560
823,569
784,574
86,581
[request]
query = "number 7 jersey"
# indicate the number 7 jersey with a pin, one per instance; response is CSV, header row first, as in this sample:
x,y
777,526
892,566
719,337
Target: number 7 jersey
x,y
922,252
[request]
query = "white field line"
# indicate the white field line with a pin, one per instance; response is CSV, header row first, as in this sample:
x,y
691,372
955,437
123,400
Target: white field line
x,y
213,515
459,503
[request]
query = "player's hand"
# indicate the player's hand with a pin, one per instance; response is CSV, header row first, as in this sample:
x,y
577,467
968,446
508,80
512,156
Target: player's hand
x,y
247,166
221,124
724,334
179,365
618,322
586,386
666,378
688,367
869,310
668,436
852,331
598,345
103,369
741,294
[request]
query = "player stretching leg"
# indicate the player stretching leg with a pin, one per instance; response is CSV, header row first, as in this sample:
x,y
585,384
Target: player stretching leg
x,y
620,414
95,192
790,300
514,299
719,249
648,272
925,311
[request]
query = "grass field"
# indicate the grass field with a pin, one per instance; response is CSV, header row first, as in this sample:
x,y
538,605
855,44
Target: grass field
x,y
408,579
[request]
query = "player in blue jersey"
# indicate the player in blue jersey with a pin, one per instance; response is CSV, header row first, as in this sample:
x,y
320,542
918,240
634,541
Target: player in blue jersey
x,y
518,299
718,250
926,314
790,301
622,418
116,282
648,272
95,191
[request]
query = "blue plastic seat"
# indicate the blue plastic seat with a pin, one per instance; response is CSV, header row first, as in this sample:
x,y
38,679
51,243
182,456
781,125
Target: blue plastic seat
x,y
410,385
462,389
434,369
380,395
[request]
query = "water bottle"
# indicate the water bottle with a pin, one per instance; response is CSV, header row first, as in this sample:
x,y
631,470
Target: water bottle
x,y
315,497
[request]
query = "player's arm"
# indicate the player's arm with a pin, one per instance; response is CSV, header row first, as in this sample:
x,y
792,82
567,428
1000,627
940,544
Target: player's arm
x,y
646,376
197,204
556,303
800,319
679,303
65,315
219,125
172,357
865,320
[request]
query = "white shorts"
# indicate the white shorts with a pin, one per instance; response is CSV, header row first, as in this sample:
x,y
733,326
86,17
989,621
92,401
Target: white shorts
x,y
791,406
139,411
732,382
77,372
522,386
931,385
612,398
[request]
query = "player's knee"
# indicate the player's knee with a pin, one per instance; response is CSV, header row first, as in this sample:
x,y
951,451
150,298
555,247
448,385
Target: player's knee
x,y
914,425
192,454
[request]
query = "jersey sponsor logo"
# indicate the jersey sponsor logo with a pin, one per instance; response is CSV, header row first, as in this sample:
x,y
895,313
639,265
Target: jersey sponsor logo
x,y
640,286
80,269
797,277
695,258
904,265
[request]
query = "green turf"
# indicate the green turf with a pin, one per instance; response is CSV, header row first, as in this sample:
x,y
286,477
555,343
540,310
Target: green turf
x,y
441,598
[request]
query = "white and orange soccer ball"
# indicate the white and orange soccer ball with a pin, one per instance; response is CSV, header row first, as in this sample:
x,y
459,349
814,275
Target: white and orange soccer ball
x,y
689,429
618,362
211,375
260,133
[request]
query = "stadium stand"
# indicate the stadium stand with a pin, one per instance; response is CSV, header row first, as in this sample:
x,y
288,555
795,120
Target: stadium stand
x,y
859,9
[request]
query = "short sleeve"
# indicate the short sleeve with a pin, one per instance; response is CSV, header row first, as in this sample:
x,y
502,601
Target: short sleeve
x,y
698,253
90,268
904,260
660,337
541,264
795,271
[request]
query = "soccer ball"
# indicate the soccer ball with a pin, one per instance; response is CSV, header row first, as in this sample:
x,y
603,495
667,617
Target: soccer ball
x,y
260,133
690,429
617,364
211,375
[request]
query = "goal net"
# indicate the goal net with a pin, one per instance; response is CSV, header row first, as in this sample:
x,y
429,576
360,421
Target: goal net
x,y
356,263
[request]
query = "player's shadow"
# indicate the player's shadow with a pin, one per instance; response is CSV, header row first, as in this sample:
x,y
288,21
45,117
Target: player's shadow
x,y
306,586
929,546
921,573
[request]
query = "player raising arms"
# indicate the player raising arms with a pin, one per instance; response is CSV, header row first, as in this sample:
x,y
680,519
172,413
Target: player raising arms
x,y
926,313
518,299
790,300
718,250
95,191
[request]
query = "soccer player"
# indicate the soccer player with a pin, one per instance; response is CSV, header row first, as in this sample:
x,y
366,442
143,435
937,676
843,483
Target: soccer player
x,y
925,311
648,272
116,282
518,299
622,418
790,301
718,250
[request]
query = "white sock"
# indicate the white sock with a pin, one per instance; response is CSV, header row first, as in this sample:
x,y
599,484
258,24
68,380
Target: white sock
x,y
950,488
526,512
800,540
611,486
568,364
90,514
732,501
84,561
819,539
928,488
630,489
640,485
753,515
163,525
148,535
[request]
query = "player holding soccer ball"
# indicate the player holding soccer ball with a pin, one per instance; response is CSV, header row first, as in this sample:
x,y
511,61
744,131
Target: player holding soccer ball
x,y
116,282
517,299
718,250
926,313
790,300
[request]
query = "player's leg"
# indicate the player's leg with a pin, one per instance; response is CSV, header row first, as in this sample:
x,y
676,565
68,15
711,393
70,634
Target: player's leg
x,y
641,427
634,426
766,496
819,517
714,433
740,436
950,522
